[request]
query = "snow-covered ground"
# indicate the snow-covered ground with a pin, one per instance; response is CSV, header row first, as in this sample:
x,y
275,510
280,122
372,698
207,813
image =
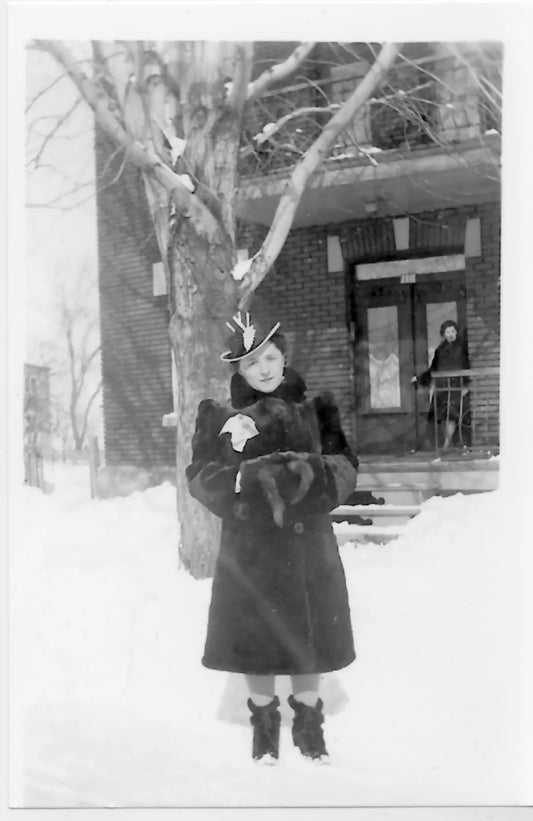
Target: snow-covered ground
x,y
110,706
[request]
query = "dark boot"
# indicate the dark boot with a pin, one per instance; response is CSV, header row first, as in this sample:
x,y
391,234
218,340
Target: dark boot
x,y
266,722
307,728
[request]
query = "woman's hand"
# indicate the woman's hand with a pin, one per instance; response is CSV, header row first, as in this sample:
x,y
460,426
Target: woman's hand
x,y
414,380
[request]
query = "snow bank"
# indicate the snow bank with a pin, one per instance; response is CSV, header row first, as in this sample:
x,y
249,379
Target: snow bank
x,y
436,614
110,705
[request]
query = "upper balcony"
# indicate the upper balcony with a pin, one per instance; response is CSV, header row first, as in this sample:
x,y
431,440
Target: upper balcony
x,y
429,138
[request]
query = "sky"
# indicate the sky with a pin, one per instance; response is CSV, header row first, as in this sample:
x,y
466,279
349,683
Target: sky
x,y
61,235
61,265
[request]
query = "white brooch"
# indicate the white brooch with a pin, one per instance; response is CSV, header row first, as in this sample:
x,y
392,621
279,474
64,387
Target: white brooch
x,y
241,428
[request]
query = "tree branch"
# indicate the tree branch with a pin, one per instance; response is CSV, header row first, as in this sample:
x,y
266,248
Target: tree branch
x,y
87,362
43,91
118,66
79,185
279,71
475,77
292,195
299,112
241,75
267,136
72,358
85,420
54,130
189,205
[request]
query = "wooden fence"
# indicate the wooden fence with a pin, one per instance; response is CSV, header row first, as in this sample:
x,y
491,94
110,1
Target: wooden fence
x,y
34,464
33,467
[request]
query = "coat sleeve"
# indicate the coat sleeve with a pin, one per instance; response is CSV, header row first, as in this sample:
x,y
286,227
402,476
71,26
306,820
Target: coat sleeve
x,y
424,378
210,480
340,463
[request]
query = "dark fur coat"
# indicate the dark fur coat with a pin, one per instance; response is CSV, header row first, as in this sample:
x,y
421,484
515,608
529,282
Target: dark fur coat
x,y
449,356
279,602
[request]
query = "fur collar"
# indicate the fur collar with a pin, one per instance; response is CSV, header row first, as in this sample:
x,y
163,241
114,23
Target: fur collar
x,y
292,389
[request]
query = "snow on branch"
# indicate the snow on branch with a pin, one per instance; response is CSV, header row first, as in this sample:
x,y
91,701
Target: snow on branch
x,y
279,71
272,128
242,266
290,199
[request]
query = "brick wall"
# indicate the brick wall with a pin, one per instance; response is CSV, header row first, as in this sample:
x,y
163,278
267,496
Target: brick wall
x,y
136,365
483,317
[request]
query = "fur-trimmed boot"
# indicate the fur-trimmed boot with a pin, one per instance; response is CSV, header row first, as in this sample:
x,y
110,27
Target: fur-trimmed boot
x,y
307,731
266,723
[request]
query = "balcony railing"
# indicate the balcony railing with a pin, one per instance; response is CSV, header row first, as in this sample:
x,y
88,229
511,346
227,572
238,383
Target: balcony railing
x,y
468,399
438,101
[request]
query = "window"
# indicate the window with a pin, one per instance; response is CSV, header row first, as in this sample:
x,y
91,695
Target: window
x,y
383,357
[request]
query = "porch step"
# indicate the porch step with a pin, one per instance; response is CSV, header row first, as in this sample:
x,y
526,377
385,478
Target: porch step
x,y
446,474
409,494
368,515
385,511
361,534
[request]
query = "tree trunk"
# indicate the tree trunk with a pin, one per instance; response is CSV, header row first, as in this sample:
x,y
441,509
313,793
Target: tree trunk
x,y
203,293
197,334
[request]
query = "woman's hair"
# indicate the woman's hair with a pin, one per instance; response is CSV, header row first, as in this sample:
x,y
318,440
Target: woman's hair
x,y
280,342
277,339
448,324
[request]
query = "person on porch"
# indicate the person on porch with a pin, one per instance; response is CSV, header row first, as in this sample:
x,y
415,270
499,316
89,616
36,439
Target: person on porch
x,y
449,404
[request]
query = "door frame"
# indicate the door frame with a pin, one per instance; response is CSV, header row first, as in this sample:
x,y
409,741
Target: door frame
x,y
455,278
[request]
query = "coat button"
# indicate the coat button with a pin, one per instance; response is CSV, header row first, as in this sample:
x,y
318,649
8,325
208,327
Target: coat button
x,y
299,528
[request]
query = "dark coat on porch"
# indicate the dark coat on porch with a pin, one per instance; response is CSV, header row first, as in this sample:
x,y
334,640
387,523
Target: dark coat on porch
x,y
279,602
449,356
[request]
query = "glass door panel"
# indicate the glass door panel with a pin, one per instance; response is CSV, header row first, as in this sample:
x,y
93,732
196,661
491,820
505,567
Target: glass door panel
x,y
384,357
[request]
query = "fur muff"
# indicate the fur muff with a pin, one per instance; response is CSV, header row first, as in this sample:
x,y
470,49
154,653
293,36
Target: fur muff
x,y
279,603
284,478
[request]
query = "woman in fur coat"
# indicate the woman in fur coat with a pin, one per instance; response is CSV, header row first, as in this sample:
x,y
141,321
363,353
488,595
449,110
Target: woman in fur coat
x,y
272,466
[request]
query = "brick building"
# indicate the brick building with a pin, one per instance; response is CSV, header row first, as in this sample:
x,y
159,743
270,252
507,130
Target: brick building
x,y
396,232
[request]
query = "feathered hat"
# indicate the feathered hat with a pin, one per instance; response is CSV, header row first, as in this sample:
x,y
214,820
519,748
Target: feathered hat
x,y
246,337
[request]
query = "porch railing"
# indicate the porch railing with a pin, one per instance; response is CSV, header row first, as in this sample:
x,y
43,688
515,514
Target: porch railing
x,y
470,399
433,102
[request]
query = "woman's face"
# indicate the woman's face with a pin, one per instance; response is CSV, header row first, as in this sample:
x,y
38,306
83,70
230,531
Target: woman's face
x,y
450,334
264,371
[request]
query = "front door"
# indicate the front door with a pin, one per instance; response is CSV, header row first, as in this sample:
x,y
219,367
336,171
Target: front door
x,y
397,322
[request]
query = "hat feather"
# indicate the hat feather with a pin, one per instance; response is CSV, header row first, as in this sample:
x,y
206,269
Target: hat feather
x,y
248,337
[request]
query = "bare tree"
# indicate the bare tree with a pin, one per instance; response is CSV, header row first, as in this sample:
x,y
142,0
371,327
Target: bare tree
x,y
178,111
78,331
71,350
